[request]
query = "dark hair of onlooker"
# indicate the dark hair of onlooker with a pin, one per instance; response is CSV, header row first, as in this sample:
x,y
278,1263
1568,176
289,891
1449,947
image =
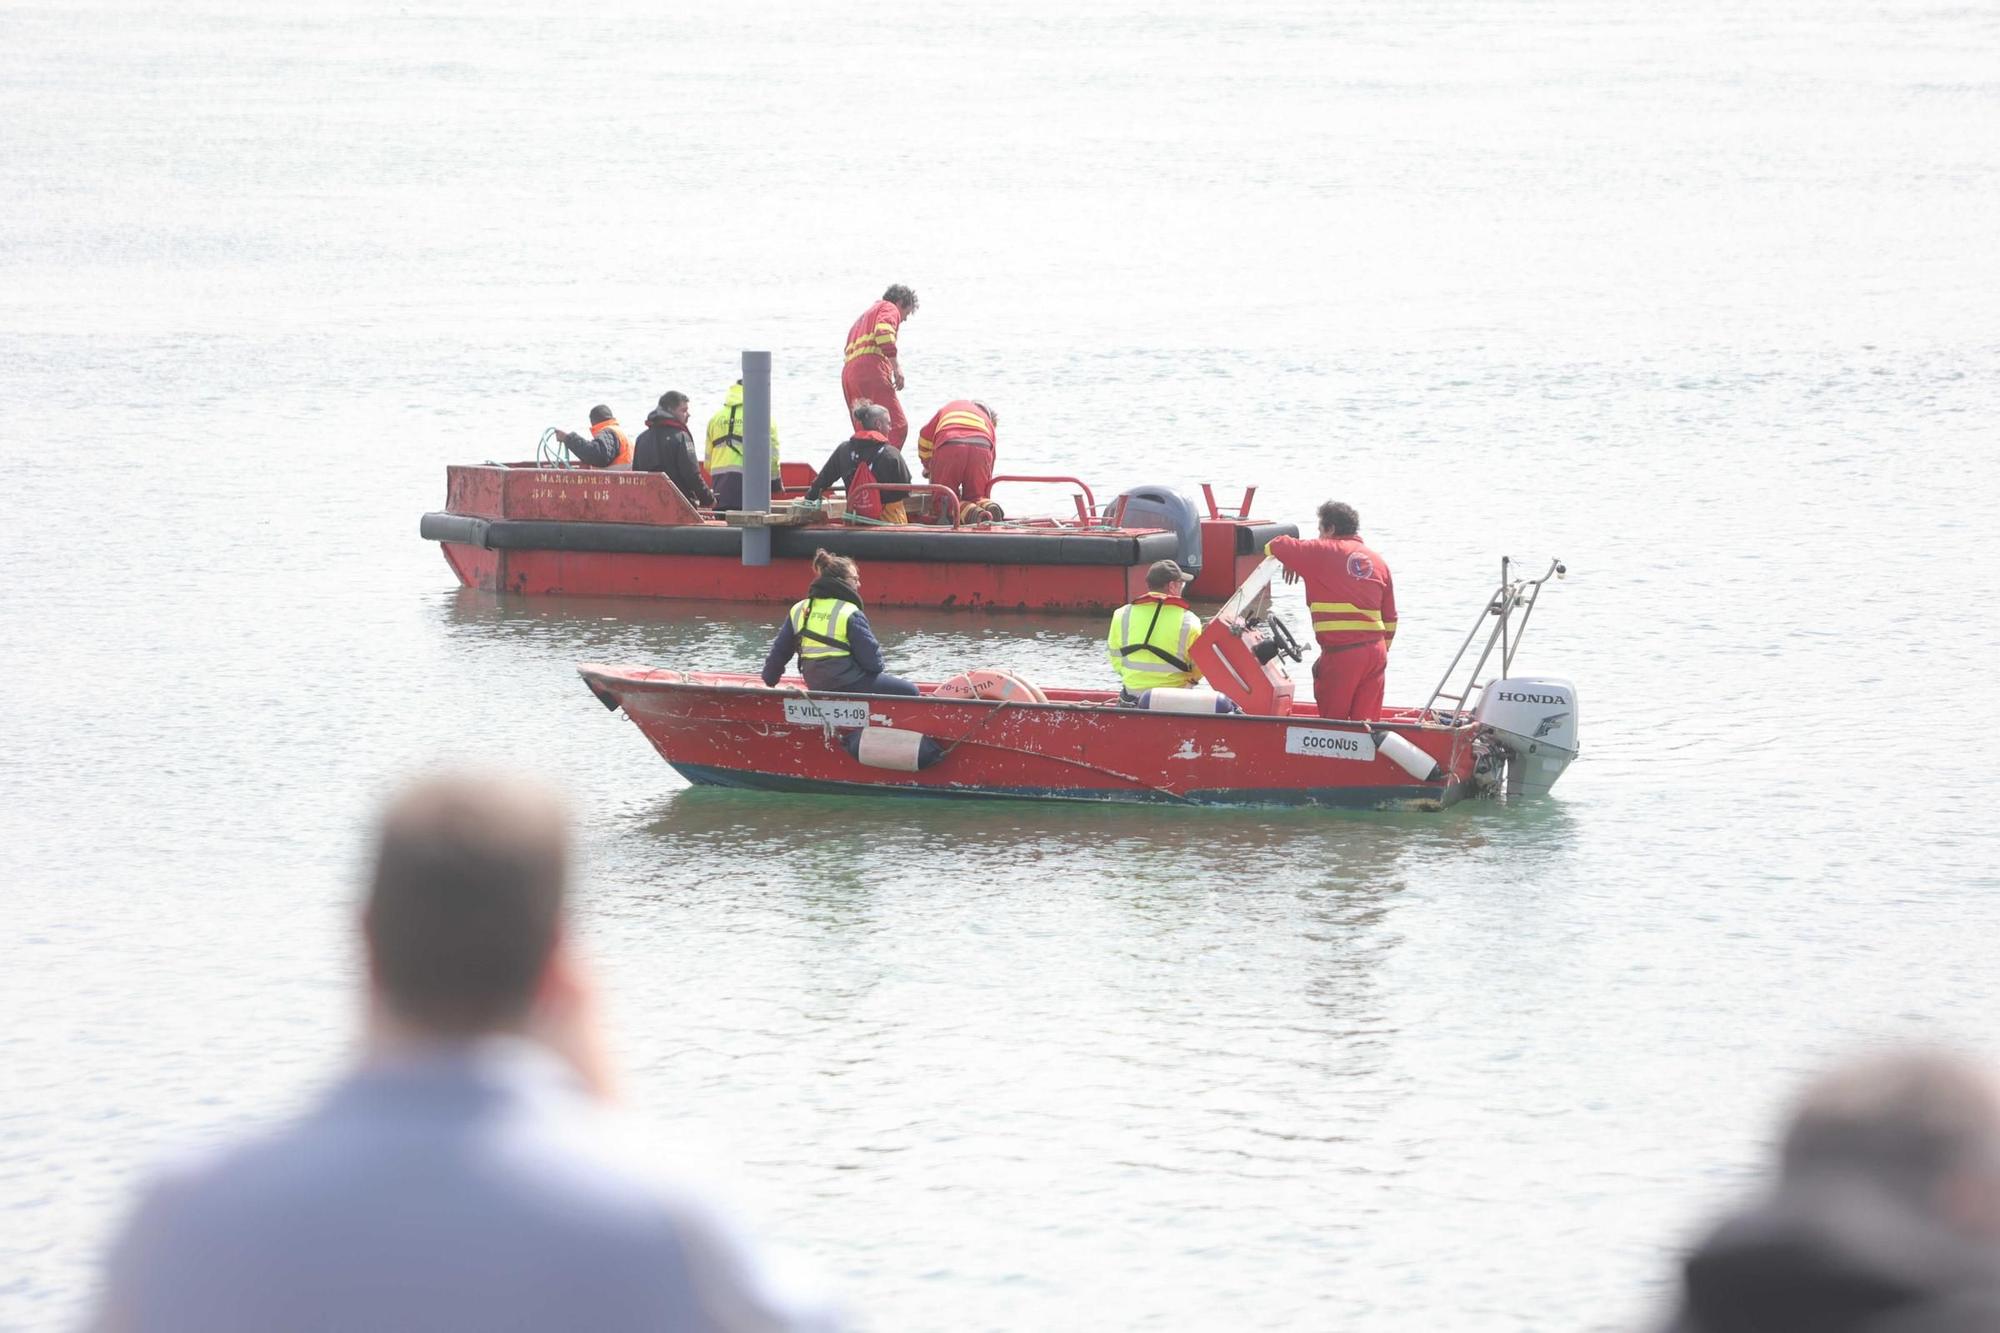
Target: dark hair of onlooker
x,y
1339,519
902,297
672,401
466,903
828,565
599,415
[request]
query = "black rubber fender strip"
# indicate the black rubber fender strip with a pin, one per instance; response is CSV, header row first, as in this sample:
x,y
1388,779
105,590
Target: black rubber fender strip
x,y
1256,536
459,529
934,545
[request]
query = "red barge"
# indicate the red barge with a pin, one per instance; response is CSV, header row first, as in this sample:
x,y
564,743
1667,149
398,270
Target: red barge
x,y
991,734
543,530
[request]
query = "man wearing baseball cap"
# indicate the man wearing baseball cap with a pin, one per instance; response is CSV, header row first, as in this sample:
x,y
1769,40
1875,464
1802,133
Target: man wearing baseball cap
x,y
1149,639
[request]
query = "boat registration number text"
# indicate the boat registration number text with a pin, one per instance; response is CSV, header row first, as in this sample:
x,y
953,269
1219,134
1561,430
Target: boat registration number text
x,y
1330,744
820,712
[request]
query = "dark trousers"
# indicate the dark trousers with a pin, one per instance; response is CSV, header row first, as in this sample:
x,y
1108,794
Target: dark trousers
x,y
729,490
884,683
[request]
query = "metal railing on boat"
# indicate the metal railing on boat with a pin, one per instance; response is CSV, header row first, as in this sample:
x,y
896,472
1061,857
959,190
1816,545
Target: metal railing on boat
x,y
1513,595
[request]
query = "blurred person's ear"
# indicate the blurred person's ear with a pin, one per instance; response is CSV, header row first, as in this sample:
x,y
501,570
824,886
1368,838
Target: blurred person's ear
x,y
567,1019
1969,1201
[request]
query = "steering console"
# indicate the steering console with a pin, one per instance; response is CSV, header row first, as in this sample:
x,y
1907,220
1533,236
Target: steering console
x,y
1282,636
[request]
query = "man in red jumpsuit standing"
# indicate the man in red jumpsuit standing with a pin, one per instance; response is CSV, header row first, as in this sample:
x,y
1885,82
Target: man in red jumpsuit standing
x,y
957,446
1353,602
872,373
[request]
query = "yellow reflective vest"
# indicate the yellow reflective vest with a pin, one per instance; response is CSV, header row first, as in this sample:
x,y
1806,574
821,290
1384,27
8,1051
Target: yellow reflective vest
x,y
725,437
1149,641
821,626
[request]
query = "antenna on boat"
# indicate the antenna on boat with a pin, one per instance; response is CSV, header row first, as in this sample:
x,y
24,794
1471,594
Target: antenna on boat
x,y
757,453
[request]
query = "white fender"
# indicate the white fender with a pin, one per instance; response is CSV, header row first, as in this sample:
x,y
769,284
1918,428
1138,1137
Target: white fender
x,y
1172,699
1407,756
891,747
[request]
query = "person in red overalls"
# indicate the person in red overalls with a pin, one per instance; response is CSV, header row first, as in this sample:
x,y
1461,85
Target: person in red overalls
x,y
1353,602
871,373
957,448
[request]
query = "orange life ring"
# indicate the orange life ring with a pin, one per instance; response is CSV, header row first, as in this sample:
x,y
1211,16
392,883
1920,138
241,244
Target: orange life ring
x,y
991,683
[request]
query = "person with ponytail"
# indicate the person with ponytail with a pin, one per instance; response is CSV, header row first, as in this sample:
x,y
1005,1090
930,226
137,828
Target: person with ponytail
x,y
828,631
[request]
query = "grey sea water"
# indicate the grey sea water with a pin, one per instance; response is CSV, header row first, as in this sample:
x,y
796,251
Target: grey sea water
x,y
1700,297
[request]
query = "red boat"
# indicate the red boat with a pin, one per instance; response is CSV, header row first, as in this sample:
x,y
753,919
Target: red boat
x,y
989,733
540,529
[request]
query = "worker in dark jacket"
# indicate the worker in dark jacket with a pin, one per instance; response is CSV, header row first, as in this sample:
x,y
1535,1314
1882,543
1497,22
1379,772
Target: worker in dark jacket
x,y
829,632
870,449
606,446
667,445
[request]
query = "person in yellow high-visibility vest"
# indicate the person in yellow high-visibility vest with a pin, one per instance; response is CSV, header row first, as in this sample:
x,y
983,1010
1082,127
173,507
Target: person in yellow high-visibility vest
x,y
725,451
1149,640
829,631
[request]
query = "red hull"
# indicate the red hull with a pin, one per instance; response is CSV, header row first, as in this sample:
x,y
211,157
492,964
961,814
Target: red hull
x,y
729,730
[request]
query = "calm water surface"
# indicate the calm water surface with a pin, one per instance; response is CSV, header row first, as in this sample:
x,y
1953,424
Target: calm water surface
x,y
1698,297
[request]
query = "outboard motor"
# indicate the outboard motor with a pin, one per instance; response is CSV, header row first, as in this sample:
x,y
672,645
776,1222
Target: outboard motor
x,y
1533,719
1159,507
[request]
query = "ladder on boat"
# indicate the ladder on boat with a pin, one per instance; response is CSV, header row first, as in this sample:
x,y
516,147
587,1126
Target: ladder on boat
x,y
1513,597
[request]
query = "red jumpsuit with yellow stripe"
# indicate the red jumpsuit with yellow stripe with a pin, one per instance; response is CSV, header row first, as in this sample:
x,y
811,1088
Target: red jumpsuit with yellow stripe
x,y
870,371
957,448
1353,602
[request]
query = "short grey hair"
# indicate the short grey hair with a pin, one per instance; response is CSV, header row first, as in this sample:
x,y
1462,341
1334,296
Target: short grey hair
x,y
871,416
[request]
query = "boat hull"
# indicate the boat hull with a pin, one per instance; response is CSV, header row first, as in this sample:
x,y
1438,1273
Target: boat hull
x,y
725,578
604,533
731,731
1397,797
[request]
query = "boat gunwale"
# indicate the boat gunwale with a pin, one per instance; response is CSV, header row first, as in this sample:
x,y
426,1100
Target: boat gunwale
x,y
656,685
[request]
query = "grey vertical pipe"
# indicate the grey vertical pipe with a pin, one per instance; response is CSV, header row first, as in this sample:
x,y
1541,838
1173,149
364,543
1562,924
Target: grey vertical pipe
x,y
757,452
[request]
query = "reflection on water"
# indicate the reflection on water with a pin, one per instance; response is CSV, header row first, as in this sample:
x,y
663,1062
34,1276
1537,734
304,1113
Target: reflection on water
x,y
1314,846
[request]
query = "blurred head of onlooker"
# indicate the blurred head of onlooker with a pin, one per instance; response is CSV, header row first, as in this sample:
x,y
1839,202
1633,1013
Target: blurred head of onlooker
x,y
1884,1213
469,1174
464,924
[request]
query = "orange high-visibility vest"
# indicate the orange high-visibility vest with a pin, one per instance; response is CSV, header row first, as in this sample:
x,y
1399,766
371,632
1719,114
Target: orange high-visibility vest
x,y
624,458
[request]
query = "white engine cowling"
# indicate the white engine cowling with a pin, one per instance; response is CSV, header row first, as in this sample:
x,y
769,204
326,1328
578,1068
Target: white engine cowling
x,y
1534,720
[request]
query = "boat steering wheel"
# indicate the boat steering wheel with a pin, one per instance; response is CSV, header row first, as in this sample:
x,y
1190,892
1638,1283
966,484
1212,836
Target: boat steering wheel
x,y
1280,635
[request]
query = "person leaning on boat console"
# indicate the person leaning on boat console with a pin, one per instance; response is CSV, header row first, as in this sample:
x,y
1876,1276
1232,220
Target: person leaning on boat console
x,y
1353,604
1149,640
829,631
867,457
667,445
605,446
